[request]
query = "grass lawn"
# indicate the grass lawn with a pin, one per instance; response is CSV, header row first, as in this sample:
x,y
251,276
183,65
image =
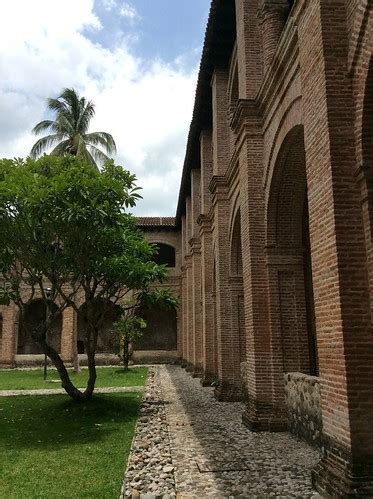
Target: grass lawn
x,y
106,376
52,447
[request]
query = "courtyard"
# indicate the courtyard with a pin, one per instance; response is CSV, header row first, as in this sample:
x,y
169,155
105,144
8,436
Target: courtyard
x,y
231,264
186,443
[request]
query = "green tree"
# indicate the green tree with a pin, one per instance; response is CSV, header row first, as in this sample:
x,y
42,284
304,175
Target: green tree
x,y
131,326
70,131
64,226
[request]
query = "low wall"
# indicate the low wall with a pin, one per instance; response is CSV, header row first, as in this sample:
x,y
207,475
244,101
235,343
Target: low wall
x,y
154,356
302,394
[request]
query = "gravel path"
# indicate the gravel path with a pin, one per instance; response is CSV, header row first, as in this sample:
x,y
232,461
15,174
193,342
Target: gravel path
x,y
150,472
60,391
185,435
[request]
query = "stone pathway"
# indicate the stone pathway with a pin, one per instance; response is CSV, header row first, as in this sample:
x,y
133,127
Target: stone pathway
x,y
149,469
212,453
61,391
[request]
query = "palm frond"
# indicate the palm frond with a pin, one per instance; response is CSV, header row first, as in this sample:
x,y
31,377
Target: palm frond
x,y
73,116
97,154
103,139
87,111
64,125
44,144
57,105
43,126
72,101
92,160
61,148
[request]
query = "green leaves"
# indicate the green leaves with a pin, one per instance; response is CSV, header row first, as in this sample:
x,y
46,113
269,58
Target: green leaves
x,y
64,221
70,131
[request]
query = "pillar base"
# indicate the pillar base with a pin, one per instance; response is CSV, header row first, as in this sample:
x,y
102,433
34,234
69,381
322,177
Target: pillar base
x,y
261,416
340,474
197,372
228,393
7,364
207,379
189,367
183,363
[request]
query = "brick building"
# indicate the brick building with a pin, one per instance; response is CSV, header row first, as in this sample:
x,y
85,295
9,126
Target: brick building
x,y
275,213
273,226
18,349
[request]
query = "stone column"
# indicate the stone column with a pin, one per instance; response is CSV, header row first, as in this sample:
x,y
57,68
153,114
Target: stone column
x,y
272,17
209,368
227,344
189,280
249,48
228,363
195,245
69,334
261,412
8,344
207,260
341,290
184,294
220,133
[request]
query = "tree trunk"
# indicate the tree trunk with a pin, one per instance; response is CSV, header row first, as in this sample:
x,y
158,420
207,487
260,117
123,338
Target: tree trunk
x,y
126,353
76,365
88,392
68,386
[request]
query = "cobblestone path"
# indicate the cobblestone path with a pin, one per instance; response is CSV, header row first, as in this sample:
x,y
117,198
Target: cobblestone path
x,y
188,445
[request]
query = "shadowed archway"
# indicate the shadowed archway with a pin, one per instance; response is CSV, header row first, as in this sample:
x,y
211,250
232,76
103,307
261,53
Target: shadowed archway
x,y
34,315
292,313
161,330
105,314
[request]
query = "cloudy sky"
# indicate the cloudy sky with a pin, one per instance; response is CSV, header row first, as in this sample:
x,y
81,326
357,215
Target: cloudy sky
x,y
137,60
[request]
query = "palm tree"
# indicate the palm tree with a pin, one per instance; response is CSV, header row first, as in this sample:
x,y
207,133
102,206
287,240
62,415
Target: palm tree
x,y
70,130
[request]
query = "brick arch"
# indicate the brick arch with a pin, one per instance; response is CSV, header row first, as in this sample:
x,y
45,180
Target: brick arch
x,y
367,119
366,171
360,29
108,313
236,282
284,213
166,254
291,117
236,247
289,264
33,317
361,69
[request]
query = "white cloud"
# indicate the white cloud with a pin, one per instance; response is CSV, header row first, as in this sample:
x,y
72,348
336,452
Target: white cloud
x,y
146,105
124,9
127,10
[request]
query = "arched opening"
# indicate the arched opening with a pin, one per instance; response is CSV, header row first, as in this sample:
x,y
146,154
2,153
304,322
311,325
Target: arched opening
x,y
104,315
238,311
289,259
165,255
33,318
366,177
160,332
367,131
